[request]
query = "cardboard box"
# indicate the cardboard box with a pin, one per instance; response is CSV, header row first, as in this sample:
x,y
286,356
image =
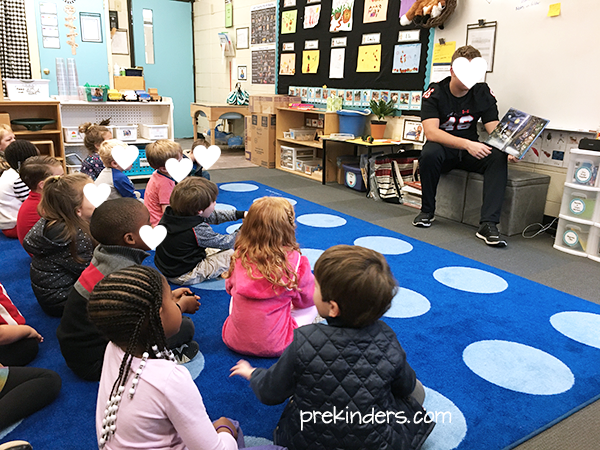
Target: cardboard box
x,y
260,147
130,83
268,104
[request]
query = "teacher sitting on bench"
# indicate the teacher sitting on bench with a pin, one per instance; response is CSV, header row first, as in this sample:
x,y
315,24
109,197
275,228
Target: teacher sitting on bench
x,y
450,112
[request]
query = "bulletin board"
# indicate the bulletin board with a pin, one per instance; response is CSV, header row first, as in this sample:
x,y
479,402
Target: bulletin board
x,y
388,30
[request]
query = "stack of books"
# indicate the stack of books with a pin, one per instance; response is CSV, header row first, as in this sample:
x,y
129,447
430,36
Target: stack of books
x,y
412,194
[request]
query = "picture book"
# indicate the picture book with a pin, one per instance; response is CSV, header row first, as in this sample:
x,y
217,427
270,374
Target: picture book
x,y
516,132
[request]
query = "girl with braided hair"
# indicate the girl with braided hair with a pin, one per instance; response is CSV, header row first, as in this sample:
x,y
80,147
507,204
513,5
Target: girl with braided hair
x,y
134,308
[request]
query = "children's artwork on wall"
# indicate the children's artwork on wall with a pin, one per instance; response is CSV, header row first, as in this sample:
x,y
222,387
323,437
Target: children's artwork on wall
x,y
406,58
287,64
311,16
341,15
288,21
415,99
262,21
369,58
336,63
263,66
375,11
404,100
310,61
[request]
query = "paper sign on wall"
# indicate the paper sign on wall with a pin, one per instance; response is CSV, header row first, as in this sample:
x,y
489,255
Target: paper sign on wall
x,y
288,21
369,58
310,61
311,16
341,15
287,64
375,11
336,63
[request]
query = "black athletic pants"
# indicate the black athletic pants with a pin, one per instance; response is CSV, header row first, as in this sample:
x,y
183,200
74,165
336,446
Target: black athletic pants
x,y
26,391
19,353
436,159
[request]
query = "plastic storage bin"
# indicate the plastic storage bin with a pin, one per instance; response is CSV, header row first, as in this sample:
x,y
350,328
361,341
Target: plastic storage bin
x,y
154,132
353,122
303,134
583,167
353,178
572,236
125,132
96,93
312,165
594,245
72,134
579,201
297,152
300,161
140,166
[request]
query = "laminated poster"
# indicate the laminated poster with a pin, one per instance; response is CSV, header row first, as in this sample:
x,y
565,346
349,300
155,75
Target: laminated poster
x,y
310,61
311,16
406,58
375,11
287,64
369,58
288,21
336,63
341,15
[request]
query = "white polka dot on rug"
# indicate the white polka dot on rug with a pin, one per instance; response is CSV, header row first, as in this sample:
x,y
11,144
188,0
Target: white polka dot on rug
x,y
451,426
254,441
518,367
238,187
384,244
196,365
312,254
218,284
291,200
470,279
321,220
225,207
582,327
6,431
407,303
231,228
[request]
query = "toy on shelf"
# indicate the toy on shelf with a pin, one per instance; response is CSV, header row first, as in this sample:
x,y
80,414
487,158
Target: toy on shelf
x,y
143,96
129,95
114,95
154,94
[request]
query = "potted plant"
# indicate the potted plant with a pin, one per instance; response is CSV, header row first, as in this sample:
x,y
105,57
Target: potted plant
x,y
381,109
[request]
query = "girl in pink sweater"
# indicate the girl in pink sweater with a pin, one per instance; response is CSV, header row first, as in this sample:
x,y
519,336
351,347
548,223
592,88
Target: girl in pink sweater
x,y
270,282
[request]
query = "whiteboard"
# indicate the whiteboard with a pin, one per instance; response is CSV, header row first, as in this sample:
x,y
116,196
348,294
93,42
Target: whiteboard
x,y
545,66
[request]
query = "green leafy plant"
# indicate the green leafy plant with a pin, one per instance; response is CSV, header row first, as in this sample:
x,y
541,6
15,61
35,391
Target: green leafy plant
x,y
382,109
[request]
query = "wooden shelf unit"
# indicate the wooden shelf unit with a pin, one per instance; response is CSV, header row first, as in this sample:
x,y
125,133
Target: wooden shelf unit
x,y
47,109
295,118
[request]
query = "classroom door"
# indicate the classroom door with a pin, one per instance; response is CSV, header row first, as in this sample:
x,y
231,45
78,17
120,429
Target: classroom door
x,y
168,31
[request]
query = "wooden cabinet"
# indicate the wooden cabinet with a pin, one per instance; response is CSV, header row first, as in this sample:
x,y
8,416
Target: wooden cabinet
x,y
327,122
49,139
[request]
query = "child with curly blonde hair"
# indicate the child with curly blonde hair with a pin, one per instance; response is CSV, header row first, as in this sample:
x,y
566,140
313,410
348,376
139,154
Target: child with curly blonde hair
x,y
270,282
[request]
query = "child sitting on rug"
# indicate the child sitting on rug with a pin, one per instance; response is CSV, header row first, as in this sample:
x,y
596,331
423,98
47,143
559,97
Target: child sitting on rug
x,y
270,282
60,243
7,137
34,172
152,401
161,184
115,224
352,365
198,170
192,251
95,135
23,390
112,174
13,192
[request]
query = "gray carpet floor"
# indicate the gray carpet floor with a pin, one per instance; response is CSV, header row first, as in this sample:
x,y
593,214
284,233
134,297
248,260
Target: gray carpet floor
x,y
534,259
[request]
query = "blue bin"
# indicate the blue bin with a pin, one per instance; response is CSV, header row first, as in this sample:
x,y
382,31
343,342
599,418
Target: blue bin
x,y
353,122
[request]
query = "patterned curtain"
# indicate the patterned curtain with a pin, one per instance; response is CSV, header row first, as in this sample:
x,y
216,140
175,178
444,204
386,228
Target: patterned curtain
x,y
14,51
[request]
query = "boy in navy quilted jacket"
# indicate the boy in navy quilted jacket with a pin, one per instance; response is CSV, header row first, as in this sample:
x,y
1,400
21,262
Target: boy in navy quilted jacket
x,y
348,382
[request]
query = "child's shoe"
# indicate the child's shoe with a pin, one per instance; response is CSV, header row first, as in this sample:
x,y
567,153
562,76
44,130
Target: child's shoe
x,y
16,445
186,352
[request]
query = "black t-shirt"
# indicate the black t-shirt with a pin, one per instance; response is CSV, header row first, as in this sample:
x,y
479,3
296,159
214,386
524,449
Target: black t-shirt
x,y
459,115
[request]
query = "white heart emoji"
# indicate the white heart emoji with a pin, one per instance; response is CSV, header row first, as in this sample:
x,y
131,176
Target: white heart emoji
x,y
469,72
96,195
125,156
179,169
206,157
152,237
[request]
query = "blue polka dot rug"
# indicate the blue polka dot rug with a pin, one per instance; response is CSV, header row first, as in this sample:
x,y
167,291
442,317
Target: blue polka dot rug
x,y
502,358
